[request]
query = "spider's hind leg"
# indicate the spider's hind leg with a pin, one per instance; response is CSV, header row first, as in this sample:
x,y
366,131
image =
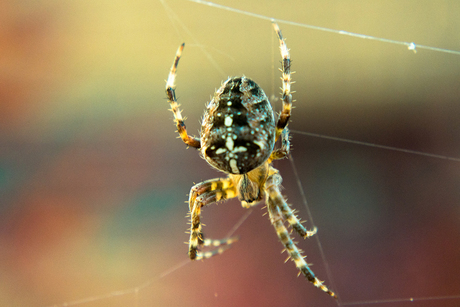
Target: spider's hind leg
x,y
279,211
203,194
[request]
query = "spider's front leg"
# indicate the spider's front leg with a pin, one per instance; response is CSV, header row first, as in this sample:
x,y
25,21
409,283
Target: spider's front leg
x,y
279,211
203,194
286,77
284,150
171,95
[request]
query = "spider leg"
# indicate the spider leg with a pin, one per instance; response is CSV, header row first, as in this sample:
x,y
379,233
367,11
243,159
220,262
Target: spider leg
x,y
288,214
171,94
286,77
222,245
284,150
203,194
277,210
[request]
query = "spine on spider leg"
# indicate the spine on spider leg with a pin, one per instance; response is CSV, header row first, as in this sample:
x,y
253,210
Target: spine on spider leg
x,y
295,223
289,214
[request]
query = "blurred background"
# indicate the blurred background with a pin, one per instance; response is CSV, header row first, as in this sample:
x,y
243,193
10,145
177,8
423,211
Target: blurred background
x,y
93,179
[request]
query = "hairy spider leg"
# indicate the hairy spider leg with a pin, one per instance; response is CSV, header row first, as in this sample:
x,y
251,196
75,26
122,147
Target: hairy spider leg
x,y
221,245
203,194
277,198
292,219
171,93
275,206
286,77
284,150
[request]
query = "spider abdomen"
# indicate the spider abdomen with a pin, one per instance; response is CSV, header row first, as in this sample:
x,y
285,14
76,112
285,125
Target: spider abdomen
x,y
238,128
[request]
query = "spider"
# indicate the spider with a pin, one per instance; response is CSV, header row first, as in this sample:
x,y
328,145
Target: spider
x,y
238,136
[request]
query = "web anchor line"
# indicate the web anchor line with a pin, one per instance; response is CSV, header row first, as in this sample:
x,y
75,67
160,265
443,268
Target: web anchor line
x,y
410,45
414,152
401,300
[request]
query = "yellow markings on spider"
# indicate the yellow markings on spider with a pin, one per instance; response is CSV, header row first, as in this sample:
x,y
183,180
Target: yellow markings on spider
x,y
238,135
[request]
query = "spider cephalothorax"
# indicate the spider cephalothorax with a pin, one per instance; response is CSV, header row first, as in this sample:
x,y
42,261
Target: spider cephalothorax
x,y
238,135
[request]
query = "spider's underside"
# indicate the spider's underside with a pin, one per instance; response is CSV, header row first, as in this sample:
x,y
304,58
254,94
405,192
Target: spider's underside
x,y
238,135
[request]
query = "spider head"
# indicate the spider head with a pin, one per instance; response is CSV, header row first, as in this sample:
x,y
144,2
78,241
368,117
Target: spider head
x,y
238,128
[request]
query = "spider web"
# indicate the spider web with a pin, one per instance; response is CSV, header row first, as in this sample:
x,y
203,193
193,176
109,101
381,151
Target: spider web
x,y
94,183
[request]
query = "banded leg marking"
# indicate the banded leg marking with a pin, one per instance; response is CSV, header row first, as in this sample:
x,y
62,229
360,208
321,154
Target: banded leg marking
x,y
278,210
222,245
203,194
171,94
285,149
286,78
288,214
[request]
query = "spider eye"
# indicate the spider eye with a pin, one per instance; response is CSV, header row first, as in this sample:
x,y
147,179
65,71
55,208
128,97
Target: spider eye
x,y
238,128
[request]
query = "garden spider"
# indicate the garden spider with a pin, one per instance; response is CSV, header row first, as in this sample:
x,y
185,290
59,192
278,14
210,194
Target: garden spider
x,y
238,135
